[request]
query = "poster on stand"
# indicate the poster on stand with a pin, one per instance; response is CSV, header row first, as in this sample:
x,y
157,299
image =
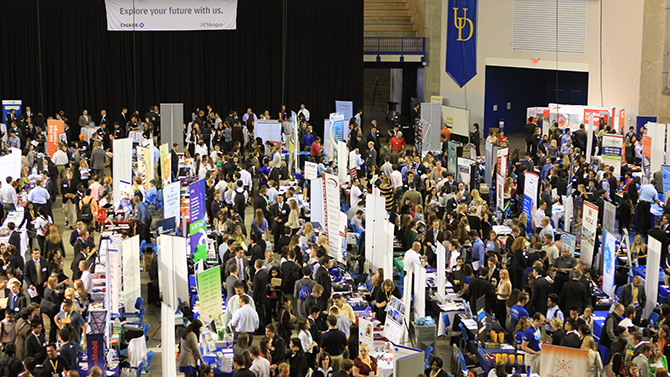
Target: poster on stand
x,y
612,151
609,257
209,293
144,164
557,361
588,236
198,225
331,205
568,207
609,217
396,311
500,192
366,332
54,128
529,198
452,157
114,281
569,240
125,194
311,170
171,195
666,178
166,164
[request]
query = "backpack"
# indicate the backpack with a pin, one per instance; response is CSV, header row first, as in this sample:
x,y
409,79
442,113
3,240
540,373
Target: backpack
x,y
86,214
304,292
240,202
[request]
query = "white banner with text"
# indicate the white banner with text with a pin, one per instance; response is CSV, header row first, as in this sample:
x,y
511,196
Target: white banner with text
x,y
163,15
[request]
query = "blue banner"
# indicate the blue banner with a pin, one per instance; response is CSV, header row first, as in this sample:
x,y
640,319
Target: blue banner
x,y
462,40
197,217
95,350
570,241
666,178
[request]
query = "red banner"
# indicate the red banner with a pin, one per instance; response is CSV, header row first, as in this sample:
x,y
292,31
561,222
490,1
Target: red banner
x,y
646,146
622,120
54,128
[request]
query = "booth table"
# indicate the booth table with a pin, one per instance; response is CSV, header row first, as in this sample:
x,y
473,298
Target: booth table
x,y
88,132
210,359
641,271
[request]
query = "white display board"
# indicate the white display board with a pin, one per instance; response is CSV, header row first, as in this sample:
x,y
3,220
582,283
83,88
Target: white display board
x,y
331,203
366,332
268,130
342,161
567,215
441,254
311,170
657,133
651,280
168,340
122,169
317,210
114,285
132,289
431,113
173,271
460,118
171,199
419,293
378,238
10,165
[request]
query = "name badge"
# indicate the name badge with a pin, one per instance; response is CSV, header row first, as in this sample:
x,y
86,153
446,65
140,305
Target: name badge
x,y
44,269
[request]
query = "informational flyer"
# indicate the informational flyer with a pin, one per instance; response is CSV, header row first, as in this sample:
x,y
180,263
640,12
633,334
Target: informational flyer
x,y
209,292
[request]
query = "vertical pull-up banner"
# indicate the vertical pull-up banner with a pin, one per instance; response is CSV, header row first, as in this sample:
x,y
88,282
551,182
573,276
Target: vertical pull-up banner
x,y
198,227
462,40
529,197
589,228
54,128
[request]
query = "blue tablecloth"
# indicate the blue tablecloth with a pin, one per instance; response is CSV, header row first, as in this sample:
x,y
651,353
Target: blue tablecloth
x,y
598,325
489,363
211,361
640,271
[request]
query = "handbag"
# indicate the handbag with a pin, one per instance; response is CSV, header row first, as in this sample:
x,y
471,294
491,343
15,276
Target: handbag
x,y
101,216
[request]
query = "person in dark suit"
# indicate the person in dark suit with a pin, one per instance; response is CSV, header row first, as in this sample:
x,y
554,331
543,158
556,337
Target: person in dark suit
x,y
571,338
540,292
279,215
17,300
432,238
256,250
323,278
529,131
633,294
174,160
238,259
261,201
481,287
260,283
574,293
37,271
312,318
35,343
14,236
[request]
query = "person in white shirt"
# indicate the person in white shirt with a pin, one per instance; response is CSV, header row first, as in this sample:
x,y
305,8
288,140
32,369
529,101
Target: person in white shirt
x,y
10,200
396,179
245,319
60,160
412,259
201,149
245,176
260,366
273,194
356,193
304,112
234,303
553,311
86,277
539,215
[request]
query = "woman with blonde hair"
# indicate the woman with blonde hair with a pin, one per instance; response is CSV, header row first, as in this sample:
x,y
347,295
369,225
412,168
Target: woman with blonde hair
x,y
80,294
308,231
107,190
323,242
229,195
259,224
53,243
293,217
503,291
595,365
239,237
638,251
657,360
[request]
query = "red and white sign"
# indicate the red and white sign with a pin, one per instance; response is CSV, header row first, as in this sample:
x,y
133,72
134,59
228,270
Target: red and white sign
x,y
54,128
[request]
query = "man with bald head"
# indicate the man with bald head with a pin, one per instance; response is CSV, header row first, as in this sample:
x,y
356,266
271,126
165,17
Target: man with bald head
x,y
413,260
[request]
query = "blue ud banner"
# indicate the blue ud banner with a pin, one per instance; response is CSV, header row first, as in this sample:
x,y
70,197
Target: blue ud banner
x,y
666,178
462,40
529,199
198,226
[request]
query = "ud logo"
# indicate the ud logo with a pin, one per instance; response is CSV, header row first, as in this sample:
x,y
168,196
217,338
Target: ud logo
x,y
460,23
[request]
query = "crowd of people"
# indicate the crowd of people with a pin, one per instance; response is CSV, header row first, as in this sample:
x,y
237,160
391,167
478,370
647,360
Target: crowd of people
x,y
276,266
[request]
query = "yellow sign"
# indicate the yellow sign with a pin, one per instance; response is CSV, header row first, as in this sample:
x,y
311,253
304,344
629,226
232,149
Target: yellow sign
x,y
460,23
436,99
449,121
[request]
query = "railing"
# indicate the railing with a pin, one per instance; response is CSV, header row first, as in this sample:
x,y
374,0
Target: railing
x,y
394,45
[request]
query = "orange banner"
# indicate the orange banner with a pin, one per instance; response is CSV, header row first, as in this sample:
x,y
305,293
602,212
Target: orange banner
x,y
596,119
646,146
622,120
54,128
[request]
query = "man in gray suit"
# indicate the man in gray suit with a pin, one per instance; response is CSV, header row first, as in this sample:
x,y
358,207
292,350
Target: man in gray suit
x,y
242,265
231,280
98,157
634,295
642,360
85,119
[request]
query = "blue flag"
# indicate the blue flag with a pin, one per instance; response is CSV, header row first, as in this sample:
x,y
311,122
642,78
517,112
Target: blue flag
x,y
462,40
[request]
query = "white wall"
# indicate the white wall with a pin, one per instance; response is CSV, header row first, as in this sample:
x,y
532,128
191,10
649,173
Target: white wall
x,y
622,52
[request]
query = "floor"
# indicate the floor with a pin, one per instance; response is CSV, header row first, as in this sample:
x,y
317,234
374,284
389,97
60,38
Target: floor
x,y
152,316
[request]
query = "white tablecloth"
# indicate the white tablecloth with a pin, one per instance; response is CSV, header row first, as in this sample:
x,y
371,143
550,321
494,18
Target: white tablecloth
x,y
136,135
88,132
